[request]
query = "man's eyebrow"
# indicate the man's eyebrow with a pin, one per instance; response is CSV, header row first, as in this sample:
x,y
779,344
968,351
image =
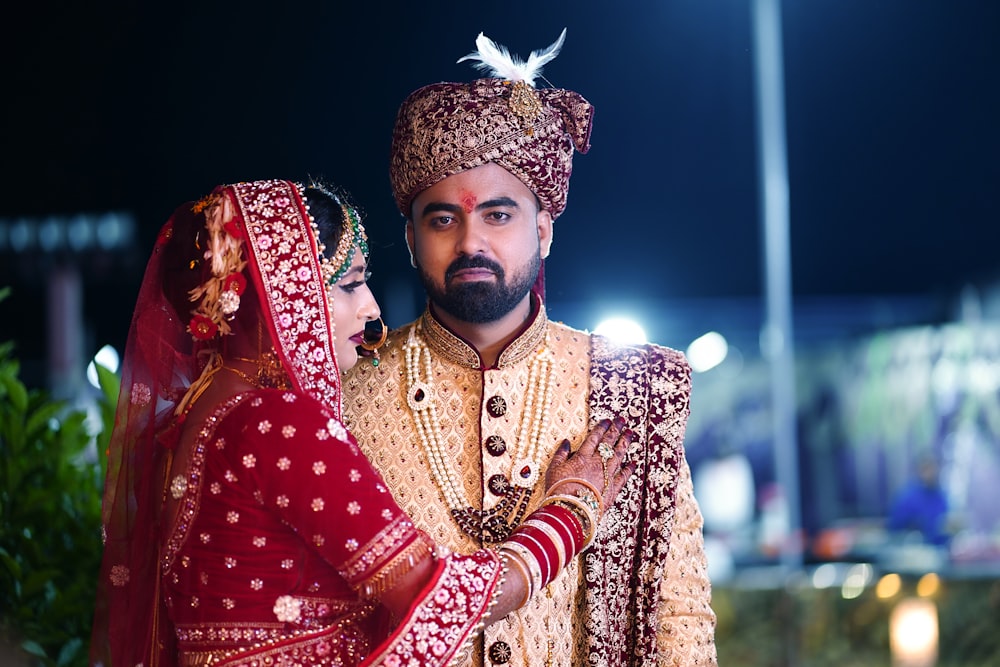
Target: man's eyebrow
x,y
455,208
497,201
440,206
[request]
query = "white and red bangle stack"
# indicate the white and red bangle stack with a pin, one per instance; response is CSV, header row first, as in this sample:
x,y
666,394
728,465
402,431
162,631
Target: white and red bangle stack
x,y
553,535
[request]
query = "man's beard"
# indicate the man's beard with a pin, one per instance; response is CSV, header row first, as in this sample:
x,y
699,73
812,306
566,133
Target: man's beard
x,y
481,301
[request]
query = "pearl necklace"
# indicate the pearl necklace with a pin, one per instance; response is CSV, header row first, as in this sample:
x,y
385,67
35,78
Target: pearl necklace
x,y
497,524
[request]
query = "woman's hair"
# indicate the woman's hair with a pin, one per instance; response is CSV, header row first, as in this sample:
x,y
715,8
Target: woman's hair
x,y
327,206
184,267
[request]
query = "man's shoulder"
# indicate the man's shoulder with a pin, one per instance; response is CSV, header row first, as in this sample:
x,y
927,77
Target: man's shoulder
x,y
607,348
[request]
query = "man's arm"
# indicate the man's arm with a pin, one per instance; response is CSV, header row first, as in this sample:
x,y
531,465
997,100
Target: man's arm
x,y
687,623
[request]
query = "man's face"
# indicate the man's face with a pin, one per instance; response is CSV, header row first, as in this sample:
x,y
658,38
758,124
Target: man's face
x,y
477,239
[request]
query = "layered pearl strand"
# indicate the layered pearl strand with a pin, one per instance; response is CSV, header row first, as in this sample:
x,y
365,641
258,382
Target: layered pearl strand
x,y
497,524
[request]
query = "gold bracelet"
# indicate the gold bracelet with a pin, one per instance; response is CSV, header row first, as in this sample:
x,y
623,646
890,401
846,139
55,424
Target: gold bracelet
x,y
582,511
528,558
587,485
512,558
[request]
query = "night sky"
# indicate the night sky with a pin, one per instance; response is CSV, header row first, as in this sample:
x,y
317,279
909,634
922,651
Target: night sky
x,y
892,117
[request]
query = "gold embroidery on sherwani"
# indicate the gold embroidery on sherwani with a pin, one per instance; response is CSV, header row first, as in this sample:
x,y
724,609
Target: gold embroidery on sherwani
x,y
495,521
549,629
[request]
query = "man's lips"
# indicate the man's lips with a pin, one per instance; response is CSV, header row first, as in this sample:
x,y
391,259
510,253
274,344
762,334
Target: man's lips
x,y
476,273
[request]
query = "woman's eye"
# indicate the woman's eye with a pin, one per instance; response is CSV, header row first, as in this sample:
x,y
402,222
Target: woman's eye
x,y
350,287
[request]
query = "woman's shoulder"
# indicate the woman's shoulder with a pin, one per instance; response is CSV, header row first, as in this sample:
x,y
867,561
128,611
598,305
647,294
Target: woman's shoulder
x,y
289,413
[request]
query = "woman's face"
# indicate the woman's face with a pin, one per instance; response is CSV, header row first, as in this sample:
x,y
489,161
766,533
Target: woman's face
x,y
352,306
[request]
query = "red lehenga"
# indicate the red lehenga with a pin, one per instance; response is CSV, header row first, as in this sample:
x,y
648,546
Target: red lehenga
x,y
271,545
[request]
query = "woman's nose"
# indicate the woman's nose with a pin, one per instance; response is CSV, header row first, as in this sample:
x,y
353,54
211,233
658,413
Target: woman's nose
x,y
371,311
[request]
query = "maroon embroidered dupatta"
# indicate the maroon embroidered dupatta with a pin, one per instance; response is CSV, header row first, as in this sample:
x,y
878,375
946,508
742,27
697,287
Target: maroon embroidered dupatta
x,y
651,389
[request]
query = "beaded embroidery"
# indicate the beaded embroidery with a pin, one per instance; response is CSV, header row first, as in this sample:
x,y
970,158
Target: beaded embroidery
x,y
494,525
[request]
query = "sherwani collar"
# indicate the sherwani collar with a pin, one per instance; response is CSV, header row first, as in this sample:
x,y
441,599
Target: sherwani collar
x,y
448,345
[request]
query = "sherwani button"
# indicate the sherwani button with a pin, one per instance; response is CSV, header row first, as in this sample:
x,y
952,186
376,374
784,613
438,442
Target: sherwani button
x,y
495,445
498,485
496,406
499,653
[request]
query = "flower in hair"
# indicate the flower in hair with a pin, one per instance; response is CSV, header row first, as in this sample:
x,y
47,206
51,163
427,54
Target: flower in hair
x,y
232,227
202,328
219,296
232,288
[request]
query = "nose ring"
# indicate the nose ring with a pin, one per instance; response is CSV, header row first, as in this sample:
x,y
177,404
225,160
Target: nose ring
x,y
375,334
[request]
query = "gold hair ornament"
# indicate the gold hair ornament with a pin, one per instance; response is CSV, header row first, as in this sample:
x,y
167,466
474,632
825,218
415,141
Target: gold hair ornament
x,y
219,296
353,236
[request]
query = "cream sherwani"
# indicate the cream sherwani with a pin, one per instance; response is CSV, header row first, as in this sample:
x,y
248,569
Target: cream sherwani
x,y
572,621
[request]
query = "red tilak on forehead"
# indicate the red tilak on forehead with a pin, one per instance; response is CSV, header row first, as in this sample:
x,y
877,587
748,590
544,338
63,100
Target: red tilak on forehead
x,y
468,201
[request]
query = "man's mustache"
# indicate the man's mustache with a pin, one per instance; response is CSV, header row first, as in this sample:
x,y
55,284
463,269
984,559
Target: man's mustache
x,y
476,262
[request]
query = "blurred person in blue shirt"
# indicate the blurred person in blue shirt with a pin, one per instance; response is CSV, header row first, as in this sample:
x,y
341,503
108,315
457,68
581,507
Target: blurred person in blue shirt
x,y
921,506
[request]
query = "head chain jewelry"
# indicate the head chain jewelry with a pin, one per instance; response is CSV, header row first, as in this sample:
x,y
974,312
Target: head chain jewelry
x,y
353,236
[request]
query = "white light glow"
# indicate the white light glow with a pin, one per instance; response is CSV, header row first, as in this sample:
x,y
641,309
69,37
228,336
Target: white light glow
x,y
107,356
857,579
913,633
622,330
707,351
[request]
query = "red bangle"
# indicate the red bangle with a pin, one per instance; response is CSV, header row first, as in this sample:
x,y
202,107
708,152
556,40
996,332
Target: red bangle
x,y
565,525
536,546
571,521
555,545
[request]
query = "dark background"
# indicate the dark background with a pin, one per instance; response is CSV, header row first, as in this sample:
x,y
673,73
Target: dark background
x,y
892,114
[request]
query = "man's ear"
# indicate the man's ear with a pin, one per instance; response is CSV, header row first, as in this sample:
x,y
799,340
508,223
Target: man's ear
x,y
545,231
409,242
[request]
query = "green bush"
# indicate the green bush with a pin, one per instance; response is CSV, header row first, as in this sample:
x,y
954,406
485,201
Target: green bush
x,y
51,481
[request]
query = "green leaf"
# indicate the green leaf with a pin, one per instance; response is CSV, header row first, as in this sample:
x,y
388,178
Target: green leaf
x,y
16,391
32,647
39,420
10,563
70,651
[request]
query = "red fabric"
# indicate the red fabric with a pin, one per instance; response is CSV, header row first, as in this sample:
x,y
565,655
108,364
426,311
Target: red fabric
x,y
277,520
279,502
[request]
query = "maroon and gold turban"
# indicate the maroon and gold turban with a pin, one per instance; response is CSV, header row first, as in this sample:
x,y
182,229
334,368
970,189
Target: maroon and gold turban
x,y
446,128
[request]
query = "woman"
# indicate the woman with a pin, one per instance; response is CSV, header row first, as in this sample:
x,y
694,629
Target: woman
x,y
243,525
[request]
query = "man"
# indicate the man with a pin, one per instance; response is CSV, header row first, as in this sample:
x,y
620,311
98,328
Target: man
x,y
467,404
921,506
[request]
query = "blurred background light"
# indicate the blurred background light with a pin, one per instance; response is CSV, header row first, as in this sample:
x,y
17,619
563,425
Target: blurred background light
x,y
622,330
857,579
707,351
108,357
928,585
913,633
888,586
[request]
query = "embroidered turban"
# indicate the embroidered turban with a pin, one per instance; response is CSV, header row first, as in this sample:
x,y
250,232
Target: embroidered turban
x,y
446,128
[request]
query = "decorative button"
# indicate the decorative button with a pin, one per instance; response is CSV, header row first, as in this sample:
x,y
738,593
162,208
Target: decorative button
x,y
498,485
499,653
495,445
496,406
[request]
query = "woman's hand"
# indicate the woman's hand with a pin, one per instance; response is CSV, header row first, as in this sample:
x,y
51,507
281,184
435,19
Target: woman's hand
x,y
599,461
